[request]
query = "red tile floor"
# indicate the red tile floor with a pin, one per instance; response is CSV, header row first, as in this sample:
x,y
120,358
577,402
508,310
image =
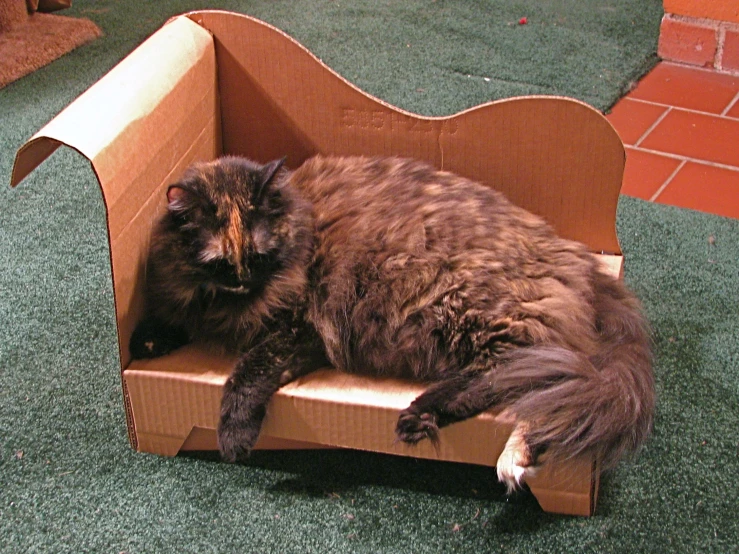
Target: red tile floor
x,y
680,126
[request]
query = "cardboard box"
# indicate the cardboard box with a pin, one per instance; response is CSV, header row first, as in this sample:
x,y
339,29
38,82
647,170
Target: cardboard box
x,y
211,83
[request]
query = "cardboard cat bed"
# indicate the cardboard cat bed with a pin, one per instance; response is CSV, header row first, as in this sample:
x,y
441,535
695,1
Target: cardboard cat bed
x,y
211,83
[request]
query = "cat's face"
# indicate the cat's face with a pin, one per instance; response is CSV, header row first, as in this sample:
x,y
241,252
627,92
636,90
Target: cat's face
x,y
226,218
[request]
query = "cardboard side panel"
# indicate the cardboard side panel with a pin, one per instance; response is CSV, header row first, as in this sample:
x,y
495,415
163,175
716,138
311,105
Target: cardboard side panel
x,y
205,439
171,396
129,247
164,96
556,157
563,502
125,97
570,488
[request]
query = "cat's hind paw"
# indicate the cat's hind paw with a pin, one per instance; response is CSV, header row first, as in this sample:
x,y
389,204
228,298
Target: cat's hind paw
x,y
414,426
515,463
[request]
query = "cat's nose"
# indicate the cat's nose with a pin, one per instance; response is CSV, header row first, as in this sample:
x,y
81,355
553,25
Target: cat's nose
x,y
242,273
232,253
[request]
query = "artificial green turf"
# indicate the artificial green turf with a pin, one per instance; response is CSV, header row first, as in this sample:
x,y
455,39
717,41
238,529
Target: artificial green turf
x,y
69,482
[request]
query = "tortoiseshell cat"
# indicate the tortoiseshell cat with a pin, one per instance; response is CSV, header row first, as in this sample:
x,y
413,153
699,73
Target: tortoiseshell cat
x,y
389,267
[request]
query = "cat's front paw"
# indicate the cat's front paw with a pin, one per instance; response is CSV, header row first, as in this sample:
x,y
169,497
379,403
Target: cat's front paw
x,y
414,426
235,441
240,423
153,338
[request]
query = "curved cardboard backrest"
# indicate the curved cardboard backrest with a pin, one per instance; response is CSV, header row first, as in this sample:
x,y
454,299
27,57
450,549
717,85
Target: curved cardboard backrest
x,y
217,82
556,157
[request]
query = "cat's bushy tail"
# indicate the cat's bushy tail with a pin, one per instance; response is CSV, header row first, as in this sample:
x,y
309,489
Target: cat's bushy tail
x,y
575,405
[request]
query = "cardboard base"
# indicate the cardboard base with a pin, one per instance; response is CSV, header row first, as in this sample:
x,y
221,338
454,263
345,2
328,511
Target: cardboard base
x,y
177,410
174,403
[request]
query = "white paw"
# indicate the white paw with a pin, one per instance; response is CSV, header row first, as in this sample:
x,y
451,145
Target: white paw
x,y
514,463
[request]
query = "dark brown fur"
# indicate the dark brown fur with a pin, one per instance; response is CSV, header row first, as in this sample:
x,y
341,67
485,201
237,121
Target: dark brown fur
x,y
389,267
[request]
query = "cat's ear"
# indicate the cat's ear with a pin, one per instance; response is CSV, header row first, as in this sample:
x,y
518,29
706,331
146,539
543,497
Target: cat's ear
x,y
267,175
179,199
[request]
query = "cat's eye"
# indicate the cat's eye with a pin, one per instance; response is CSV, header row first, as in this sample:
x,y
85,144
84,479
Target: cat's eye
x,y
261,238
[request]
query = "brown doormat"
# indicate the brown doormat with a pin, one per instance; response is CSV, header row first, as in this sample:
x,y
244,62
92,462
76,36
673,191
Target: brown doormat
x,y
38,40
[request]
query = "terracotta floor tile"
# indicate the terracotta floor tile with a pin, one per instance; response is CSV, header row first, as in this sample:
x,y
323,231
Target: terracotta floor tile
x,y
645,173
686,87
705,188
699,136
631,119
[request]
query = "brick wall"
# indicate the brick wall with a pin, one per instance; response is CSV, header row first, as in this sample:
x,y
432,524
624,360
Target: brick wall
x,y
701,32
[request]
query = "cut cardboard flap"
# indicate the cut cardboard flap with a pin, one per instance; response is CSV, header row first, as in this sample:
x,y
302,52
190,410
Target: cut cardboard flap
x,y
212,83
95,123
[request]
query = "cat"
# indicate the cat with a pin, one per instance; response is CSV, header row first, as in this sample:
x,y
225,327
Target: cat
x,y
389,267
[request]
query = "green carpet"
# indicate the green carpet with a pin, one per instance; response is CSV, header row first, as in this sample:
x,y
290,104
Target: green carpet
x,y
69,482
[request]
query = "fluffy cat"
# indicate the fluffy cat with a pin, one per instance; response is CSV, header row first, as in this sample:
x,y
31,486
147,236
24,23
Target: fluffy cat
x,y
386,266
